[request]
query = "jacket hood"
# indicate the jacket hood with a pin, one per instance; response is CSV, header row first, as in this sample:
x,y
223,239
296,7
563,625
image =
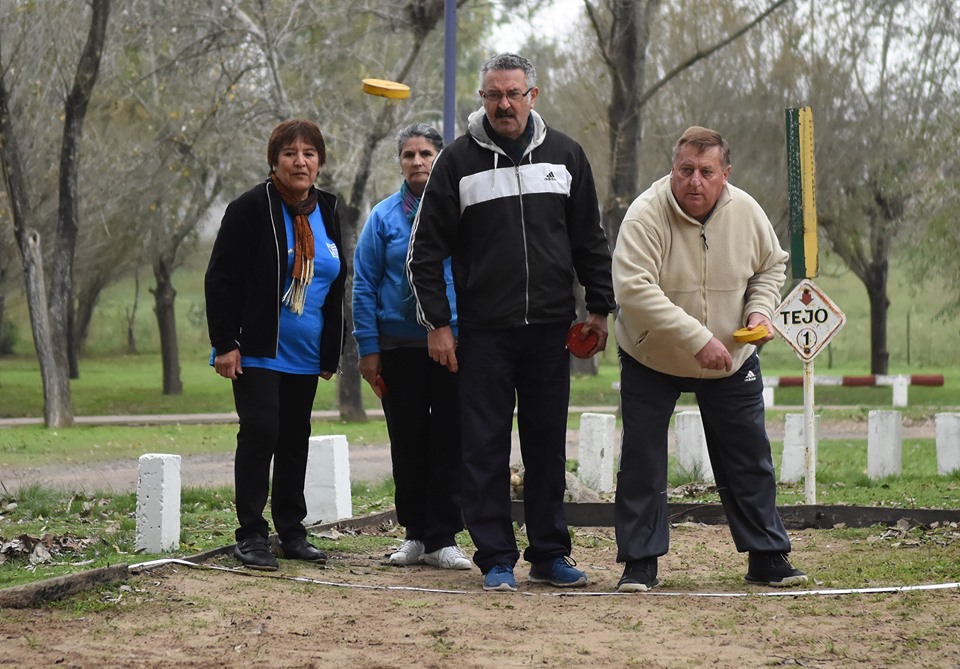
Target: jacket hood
x,y
478,132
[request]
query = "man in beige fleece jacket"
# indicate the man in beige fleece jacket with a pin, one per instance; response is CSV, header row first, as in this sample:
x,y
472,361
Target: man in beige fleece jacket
x,y
696,259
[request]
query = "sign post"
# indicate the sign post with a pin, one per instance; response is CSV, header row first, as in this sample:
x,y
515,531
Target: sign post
x,y
807,320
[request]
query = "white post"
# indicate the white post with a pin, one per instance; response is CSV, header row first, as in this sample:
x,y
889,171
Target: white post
x,y
692,455
158,503
596,451
768,397
884,444
948,442
793,459
809,433
900,385
327,485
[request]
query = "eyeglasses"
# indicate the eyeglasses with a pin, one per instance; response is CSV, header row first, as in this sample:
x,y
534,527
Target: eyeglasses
x,y
513,96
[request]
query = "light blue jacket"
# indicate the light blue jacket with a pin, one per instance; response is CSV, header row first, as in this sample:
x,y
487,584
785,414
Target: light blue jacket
x,y
378,280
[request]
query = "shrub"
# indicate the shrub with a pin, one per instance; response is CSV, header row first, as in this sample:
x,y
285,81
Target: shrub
x,y
8,337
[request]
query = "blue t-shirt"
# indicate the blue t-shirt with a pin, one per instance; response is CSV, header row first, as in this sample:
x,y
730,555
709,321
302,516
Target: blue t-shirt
x,y
298,351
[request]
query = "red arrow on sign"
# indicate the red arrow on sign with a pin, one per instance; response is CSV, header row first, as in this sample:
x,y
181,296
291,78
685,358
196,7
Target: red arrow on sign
x,y
806,298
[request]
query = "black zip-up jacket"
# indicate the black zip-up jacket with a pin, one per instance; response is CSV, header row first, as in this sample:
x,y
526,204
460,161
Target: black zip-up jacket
x,y
516,233
244,281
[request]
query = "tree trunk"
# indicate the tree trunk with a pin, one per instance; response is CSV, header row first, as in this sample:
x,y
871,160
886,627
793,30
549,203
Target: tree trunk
x,y
879,308
75,110
3,311
164,296
424,16
88,295
132,315
57,411
349,389
626,52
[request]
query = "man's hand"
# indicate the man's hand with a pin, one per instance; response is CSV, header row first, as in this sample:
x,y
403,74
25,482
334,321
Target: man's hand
x,y
442,347
715,356
596,323
228,365
755,319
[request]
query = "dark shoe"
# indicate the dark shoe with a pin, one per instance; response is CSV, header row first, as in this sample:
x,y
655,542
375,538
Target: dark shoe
x,y
301,549
772,569
500,577
639,576
559,572
254,553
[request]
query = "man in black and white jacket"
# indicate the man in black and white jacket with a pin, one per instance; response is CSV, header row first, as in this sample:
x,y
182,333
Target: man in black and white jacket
x,y
513,203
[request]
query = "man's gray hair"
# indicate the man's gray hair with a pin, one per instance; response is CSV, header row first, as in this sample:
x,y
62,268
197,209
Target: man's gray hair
x,y
428,132
509,61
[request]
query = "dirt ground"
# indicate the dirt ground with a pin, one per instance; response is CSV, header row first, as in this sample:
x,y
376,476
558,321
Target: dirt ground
x,y
359,612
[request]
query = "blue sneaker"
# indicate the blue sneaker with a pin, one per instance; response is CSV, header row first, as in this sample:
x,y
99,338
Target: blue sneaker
x,y
499,577
559,572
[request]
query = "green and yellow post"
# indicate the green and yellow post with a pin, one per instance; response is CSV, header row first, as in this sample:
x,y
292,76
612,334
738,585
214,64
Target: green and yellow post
x,y
803,256
802,193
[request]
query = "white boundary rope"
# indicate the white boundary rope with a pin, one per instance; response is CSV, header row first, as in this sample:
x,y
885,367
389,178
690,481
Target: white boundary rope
x,y
145,566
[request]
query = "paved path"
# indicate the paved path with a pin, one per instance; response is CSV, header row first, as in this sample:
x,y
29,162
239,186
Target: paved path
x,y
367,462
370,462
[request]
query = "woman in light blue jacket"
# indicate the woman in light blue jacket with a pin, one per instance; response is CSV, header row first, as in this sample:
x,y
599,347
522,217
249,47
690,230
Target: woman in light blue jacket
x,y
419,396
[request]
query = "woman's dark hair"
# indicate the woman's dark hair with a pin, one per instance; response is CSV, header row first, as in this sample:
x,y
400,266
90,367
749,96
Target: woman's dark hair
x,y
428,132
290,131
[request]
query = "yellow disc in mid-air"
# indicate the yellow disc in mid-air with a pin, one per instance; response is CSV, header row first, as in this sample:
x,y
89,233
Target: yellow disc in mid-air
x,y
386,89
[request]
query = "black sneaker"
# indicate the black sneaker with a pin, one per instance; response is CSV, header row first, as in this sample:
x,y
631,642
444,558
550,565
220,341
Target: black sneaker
x,y
772,569
301,549
254,552
639,576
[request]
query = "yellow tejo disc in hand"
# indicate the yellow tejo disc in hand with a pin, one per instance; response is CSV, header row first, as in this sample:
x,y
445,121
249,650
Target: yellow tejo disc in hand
x,y
746,335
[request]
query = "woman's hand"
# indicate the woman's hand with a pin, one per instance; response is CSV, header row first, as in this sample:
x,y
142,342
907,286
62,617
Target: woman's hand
x,y
228,365
369,366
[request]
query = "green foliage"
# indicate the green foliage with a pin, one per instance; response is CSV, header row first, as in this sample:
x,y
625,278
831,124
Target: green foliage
x,y
8,337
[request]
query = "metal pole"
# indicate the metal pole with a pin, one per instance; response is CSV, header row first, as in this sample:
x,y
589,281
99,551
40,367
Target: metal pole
x,y
810,443
449,69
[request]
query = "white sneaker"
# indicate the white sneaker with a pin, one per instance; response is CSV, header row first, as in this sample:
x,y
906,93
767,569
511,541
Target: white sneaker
x,y
410,552
448,557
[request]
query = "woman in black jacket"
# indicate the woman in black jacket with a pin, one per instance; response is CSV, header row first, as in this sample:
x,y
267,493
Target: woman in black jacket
x,y
274,298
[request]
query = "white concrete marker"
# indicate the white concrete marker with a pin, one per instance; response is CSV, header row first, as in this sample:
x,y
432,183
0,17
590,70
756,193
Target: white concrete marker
x,y
793,462
327,485
158,503
767,397
596,451
948,442
901,386
884,444
692,445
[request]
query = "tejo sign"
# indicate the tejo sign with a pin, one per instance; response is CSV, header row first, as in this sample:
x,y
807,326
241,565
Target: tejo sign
x,y
807,320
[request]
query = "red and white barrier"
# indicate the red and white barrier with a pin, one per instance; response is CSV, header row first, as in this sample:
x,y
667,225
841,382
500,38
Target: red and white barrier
x,y
900,383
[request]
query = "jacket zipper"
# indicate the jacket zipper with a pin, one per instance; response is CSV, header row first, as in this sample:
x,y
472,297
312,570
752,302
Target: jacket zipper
x,y
526,256
703,271
276,246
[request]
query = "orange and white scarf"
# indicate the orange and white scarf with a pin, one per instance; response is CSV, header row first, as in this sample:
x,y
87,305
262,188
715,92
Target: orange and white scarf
x,y
303,250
